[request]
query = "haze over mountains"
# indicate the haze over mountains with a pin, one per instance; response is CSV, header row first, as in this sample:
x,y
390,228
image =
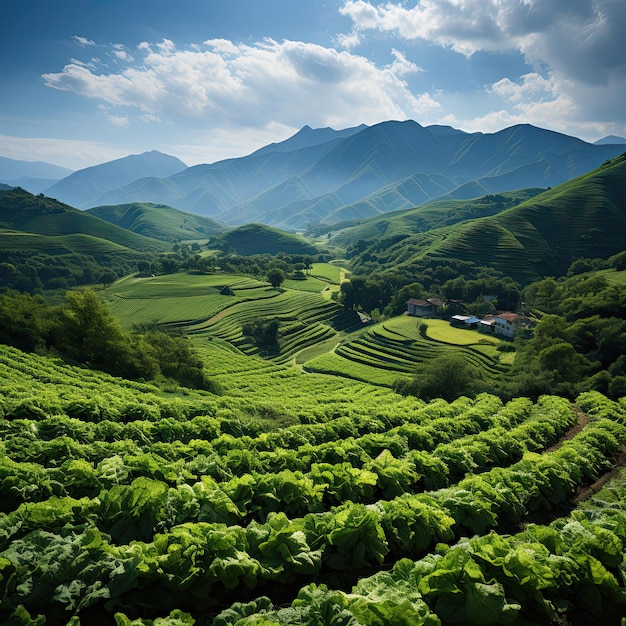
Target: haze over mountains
x,y
524,234
32,175
329,176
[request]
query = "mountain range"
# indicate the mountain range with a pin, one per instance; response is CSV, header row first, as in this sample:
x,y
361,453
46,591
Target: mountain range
x,y
326,176
82,189
525,234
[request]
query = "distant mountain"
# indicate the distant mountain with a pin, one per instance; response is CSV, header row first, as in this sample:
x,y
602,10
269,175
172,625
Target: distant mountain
x,y
610,139
327,176
158,221
82,188
584,217
51,223
261,239
307,137
31,175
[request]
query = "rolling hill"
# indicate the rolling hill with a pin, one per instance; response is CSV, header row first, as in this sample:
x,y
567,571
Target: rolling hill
x,y
23,215
320,175
261,239
435,214
158,221
585,217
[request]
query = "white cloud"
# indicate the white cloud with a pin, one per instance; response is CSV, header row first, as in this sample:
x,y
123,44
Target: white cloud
x,y
574,46
348,41
531,85
225,84
121,53
121,121
83,41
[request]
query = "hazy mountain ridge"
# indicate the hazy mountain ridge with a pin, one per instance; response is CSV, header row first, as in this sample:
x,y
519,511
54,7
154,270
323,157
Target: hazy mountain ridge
x,y
610,139
321,175
81,189
34,176
14,169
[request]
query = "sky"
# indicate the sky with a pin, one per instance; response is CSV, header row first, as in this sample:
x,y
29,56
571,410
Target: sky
x,y
88,81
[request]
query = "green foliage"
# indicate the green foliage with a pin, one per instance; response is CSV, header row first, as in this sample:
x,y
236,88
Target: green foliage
x,y
445,377
580,344
84,330
264,333
275,277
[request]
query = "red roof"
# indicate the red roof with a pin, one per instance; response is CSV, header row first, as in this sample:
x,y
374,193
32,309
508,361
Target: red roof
x,y
510,317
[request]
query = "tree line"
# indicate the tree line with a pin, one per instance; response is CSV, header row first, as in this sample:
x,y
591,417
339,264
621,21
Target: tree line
x,y
578,344
82,330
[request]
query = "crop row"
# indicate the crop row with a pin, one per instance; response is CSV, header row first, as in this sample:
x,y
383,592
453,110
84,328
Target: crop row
x,y
193,564
421,428
253,485
196,496
543,574
381,349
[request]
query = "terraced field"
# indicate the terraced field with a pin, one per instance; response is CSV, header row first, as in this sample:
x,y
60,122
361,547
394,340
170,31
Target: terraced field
x,y
179,298
314,333
395,349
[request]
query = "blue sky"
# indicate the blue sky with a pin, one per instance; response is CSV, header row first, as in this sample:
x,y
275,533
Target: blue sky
x,y
87,81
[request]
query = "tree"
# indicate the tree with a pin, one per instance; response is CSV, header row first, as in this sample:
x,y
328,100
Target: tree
x,y
446,377
264,333
25,321
89,333
275,277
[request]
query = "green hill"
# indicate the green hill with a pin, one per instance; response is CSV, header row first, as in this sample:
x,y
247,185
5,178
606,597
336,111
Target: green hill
x,y
585,217
22,212
432,215
158,221
261,239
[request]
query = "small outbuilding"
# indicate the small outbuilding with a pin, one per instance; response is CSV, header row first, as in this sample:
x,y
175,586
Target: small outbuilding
x,y
423,308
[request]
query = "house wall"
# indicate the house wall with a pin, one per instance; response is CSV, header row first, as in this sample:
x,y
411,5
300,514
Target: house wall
x,y
504,328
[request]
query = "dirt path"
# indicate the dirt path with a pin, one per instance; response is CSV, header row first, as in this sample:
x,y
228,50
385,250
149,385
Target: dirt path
x,y
581,422
584,493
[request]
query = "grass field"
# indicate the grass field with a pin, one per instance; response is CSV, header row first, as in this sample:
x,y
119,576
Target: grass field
x,y
614,276
313,336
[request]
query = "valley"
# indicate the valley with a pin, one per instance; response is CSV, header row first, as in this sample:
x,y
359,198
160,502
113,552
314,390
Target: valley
x,y
205,423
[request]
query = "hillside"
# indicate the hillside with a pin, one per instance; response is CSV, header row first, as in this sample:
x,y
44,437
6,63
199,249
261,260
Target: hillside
x,y
261,239
431,215
302,497
158,221
82,188
24,213
585,217
320,175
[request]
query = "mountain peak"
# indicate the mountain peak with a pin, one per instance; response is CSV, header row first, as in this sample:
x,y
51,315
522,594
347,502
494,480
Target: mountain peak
x,y
308,137
610,139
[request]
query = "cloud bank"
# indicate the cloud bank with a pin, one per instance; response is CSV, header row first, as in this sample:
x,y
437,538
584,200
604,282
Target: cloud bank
x,y
228,84
574,46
